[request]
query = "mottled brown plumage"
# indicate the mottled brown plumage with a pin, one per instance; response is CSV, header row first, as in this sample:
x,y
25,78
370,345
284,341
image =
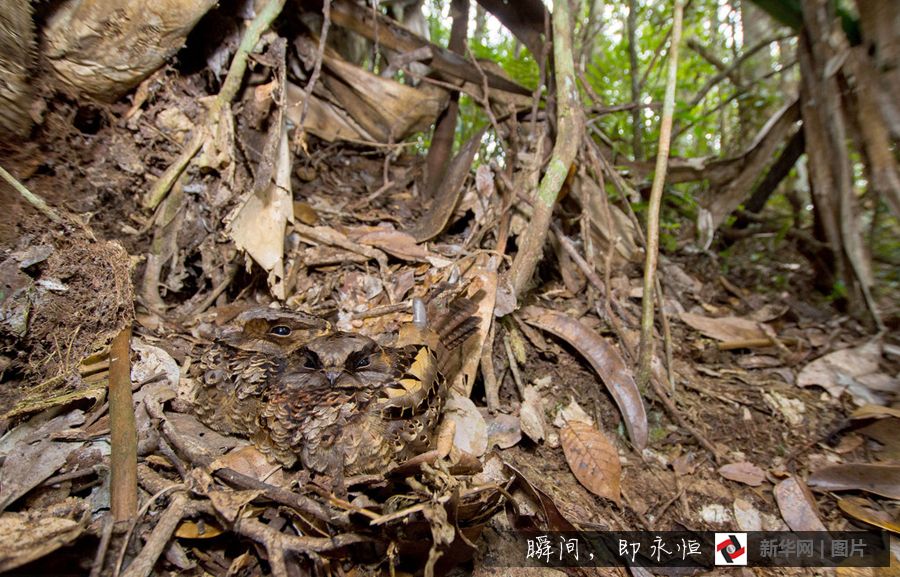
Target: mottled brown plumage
x,y
248,355
336,400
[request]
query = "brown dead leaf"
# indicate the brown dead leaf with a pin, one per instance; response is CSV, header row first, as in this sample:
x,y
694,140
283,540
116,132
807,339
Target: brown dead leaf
x,y
229,503
856,509
435,220
503,430
798,506
724,329
874,412
371,108
593,459
251,462
446,432
605,359
842,370
29,463
849,444
484,285
329,255
746,473
572,412
471,430
305,213
396,243
885,432
201,437
882,480
258,222
402,284
531,498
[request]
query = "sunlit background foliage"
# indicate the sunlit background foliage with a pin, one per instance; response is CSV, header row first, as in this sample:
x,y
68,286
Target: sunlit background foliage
x,y
737,67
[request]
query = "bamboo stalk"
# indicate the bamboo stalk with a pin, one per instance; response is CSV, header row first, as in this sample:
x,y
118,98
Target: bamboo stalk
x,y
123,432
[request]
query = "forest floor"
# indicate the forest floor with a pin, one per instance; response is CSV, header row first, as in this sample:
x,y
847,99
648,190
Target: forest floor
x,y
746,402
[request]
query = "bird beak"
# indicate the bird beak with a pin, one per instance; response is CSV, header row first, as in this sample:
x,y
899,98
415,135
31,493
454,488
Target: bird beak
x,y
332,374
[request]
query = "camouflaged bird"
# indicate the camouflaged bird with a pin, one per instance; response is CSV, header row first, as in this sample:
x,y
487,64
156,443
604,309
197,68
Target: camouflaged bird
x,y
339,402
248,355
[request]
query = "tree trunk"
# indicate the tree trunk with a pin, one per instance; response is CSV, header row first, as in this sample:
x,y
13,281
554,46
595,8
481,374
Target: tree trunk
x,y
16,57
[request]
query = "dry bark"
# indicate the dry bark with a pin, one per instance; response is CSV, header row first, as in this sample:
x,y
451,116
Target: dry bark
x,y
16,54
107,47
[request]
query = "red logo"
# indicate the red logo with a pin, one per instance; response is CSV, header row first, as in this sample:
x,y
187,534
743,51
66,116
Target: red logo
x,y
731,549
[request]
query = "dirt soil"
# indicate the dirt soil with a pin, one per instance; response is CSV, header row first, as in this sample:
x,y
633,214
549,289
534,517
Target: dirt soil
x,y
95,161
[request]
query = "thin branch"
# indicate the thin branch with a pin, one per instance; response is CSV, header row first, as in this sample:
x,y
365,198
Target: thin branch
x,y
728,71
103,547
317,68
485,99
36,201
662,158
514,367
542,74
159,538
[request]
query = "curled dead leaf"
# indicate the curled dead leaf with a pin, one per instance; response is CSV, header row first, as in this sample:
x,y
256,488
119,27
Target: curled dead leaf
x,y
23,540
606,360
868,514
503,430
229,503
882,480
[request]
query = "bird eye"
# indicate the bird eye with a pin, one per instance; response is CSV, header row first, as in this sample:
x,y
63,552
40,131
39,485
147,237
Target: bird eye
x,y
363,362
280,330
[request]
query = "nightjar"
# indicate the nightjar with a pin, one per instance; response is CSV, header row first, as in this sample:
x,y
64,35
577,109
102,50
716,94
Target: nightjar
x,y
334,401
248,355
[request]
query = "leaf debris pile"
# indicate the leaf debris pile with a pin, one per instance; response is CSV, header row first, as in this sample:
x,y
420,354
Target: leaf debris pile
x,y
265,212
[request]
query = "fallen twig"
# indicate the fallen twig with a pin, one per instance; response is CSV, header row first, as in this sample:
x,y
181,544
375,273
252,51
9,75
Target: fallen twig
x,y
491,386
165,528
277,543
333,238
514,367
230,272
674,413
365,201
103,547
383,310
283,496
667,334
36,201
485,100
585,267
